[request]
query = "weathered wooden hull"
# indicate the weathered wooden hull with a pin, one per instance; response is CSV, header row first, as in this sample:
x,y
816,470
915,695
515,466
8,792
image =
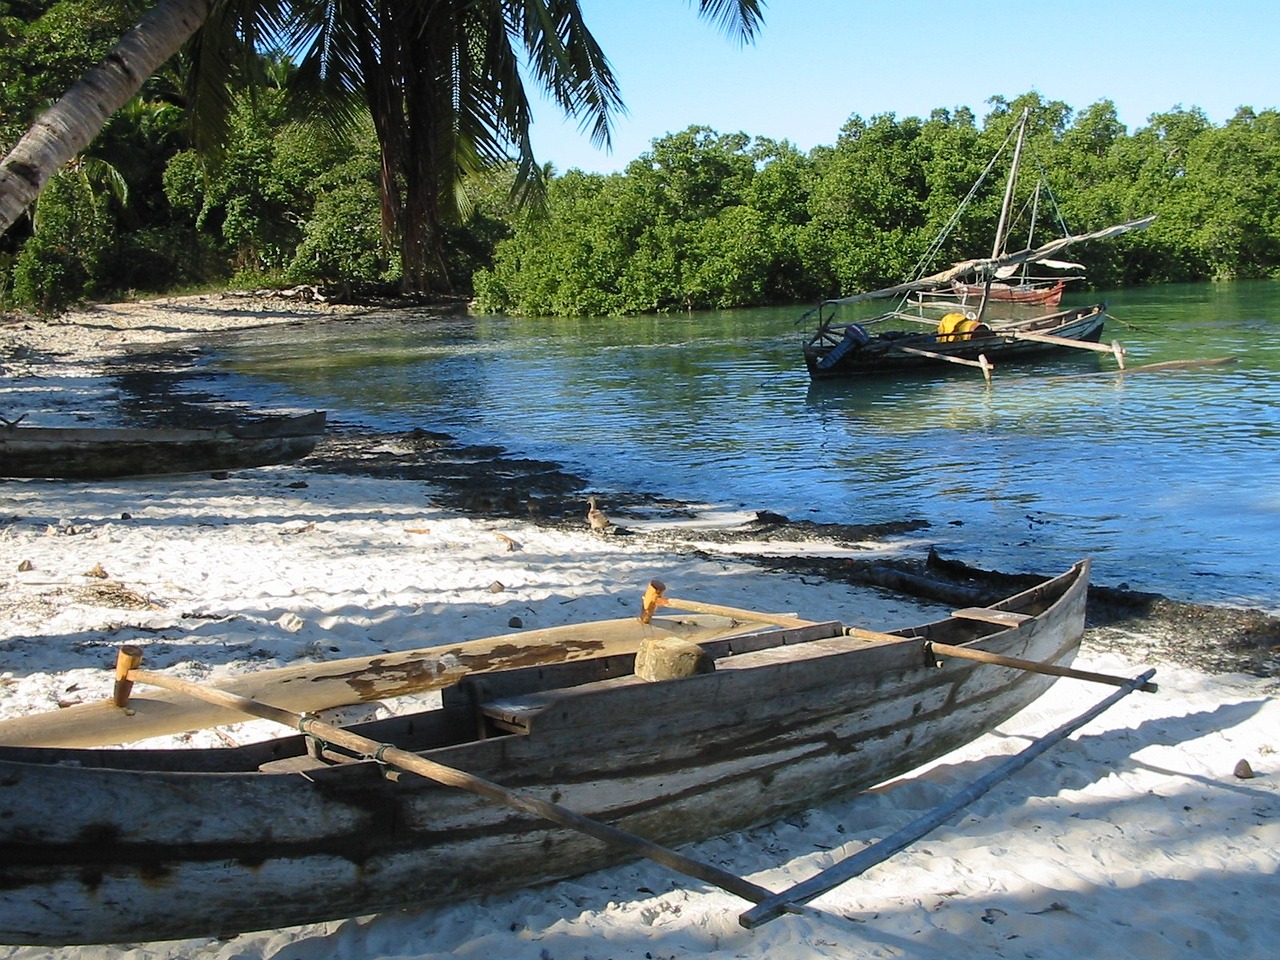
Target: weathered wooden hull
x,y
883,355
1046,295
167,844
76,453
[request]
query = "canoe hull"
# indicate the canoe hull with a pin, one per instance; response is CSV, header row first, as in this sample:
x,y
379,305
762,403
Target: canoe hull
x,y
1044,294
882,355
94,454
169,844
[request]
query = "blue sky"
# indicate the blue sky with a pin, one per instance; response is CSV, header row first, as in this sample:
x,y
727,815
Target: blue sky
x,y
816,62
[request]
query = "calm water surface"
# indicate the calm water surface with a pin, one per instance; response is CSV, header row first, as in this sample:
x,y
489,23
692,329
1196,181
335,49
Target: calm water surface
x,y
1169,480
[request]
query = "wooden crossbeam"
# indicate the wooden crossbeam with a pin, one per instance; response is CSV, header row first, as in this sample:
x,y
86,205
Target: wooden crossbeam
x,y
1006,618
1114,347
865,859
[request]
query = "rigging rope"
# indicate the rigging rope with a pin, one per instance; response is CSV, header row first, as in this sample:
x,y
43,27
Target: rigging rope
x,y
928,256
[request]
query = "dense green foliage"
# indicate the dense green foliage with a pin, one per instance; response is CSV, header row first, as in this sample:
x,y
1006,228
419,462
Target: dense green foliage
x,y
701,220
705,221
47,44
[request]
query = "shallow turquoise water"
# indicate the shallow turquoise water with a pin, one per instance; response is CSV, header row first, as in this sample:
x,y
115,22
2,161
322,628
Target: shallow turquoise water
x,y
1169,480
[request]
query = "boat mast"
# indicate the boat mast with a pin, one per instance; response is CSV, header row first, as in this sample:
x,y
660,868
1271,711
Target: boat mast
x,y
1031,232
997,248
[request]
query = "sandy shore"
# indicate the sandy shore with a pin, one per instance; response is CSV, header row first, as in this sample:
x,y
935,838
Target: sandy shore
x,y
1135,838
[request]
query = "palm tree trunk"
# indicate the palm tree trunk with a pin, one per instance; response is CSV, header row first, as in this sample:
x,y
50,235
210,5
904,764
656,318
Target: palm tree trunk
x,y
70,125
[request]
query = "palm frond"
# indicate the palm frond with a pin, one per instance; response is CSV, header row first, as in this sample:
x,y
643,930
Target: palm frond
x,y
331,43
739,19
222,55
569,64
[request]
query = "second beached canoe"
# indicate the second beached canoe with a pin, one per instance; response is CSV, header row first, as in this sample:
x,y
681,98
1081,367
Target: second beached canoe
x,y
98,453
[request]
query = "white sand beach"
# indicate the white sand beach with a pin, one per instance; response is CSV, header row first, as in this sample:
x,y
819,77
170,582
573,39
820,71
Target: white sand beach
x,y
1133,838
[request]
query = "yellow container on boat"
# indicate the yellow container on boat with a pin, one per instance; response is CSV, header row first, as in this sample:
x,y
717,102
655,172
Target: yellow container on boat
x,y
957,326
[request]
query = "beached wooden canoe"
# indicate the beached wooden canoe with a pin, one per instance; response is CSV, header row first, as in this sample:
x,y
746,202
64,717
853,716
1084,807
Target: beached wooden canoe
x,y
96,453
117,845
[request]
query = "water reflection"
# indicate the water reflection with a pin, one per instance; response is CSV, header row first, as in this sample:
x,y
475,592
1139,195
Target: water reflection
x,y
1168,479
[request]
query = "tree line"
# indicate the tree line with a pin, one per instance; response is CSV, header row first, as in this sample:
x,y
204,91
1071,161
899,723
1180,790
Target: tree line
x,y
705,220
701,220
439,85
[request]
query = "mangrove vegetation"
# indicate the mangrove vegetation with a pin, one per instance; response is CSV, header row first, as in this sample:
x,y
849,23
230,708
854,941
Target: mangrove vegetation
x,y
703,219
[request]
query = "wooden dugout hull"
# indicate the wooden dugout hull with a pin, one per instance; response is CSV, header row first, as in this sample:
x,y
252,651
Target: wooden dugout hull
x,y
169,844
84,453
884,354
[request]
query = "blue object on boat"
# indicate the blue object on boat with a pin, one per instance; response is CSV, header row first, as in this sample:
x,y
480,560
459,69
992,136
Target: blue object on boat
x,y
854,336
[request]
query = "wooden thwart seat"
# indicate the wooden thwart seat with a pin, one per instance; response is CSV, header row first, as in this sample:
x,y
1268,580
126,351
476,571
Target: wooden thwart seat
x,y
517,712
1005,618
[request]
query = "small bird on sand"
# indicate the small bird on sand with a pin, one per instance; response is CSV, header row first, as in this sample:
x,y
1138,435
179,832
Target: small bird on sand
x,y
595,516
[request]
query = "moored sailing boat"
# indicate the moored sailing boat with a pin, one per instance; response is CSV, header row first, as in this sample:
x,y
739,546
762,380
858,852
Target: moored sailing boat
x,y
965,334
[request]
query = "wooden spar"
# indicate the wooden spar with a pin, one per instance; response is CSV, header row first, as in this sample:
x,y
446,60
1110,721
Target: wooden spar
x,y
997,248
1154,367
335,683
1114,348
1002,226
1180,365
982,362
1031,666
864,860
131,656
654,598
873,636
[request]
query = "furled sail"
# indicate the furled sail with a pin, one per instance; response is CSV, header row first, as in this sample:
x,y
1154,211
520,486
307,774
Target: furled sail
x,y
988,267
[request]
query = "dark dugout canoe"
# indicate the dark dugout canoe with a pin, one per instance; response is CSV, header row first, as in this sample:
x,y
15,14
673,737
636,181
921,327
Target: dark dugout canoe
x,y
104,846
88,453
853,352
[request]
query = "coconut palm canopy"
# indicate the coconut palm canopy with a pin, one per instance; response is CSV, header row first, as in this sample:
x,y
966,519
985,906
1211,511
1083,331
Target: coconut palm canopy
x,y
445,82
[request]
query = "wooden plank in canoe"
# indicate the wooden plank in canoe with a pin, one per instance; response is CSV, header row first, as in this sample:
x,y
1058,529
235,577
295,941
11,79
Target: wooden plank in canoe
x,y
1005,618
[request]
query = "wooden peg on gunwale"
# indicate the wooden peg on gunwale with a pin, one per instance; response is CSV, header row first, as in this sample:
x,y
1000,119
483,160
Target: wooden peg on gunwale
x,y
651,600
654,598
129,658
